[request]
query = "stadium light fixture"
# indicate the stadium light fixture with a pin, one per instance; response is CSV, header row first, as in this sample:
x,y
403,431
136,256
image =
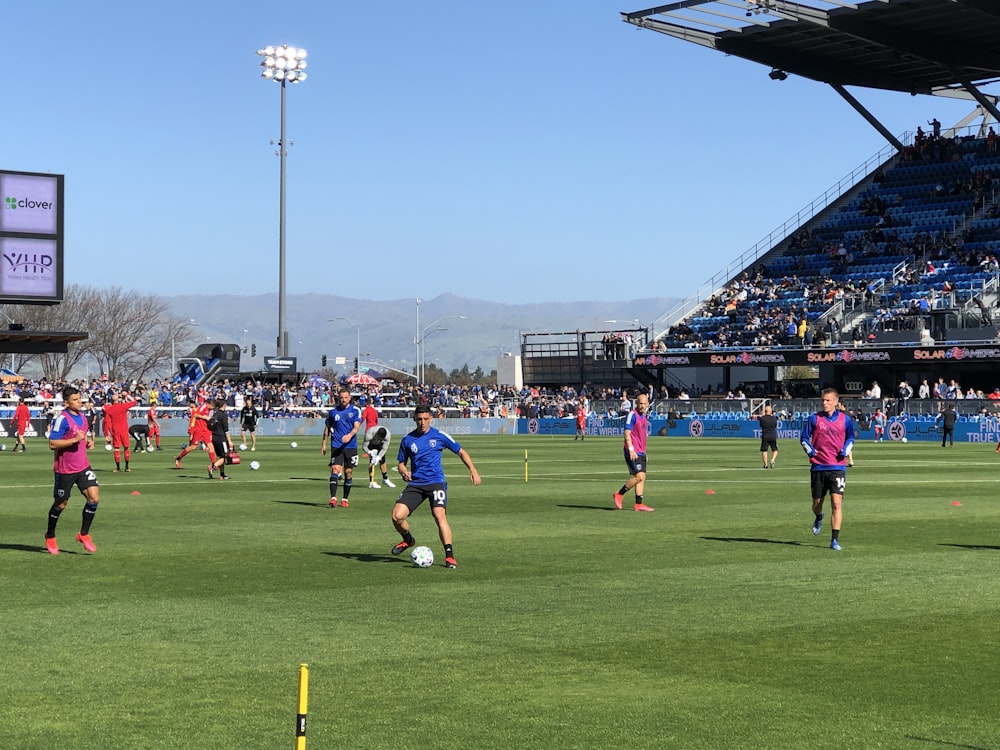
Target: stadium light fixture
x,y
421,361
283,64
777,74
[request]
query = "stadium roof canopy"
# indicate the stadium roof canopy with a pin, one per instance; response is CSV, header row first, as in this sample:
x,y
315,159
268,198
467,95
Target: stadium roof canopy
x,y
938,47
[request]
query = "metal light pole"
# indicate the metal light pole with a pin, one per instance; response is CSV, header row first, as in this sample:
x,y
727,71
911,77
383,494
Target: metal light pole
x,y
416,346
357,330
282,64
423,335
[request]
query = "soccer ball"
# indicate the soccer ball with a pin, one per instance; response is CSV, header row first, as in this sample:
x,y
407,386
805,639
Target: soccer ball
x,y
150,448
254,465
294,444
243,446
3,446
903,440
107,447
422,557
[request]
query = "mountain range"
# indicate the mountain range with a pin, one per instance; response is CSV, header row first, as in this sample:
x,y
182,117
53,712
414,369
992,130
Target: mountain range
x,y
385,331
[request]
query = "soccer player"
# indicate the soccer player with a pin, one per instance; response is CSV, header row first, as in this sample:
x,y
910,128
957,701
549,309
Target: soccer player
x,y
878,423
248,423
153,424
116,416
828,438
636,431
70,438
581,419
198,432
342,425
768,437
22,420
376,445
422,448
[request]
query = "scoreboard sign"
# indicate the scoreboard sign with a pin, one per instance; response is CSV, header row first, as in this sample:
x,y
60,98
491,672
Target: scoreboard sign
x,y
31,237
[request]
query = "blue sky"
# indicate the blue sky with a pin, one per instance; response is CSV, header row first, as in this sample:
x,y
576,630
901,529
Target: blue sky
x,y
529,151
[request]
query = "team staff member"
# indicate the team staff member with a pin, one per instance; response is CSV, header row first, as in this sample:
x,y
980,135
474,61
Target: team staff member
x,y
422,448
248,423
140,434
636,430
768,437
828,438
342,425
70,438
222,443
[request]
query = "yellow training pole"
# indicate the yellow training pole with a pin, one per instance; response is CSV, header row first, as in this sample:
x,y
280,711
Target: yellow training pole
x,y
300,719
525,465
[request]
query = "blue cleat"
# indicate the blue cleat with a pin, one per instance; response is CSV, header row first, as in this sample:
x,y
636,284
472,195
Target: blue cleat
x,y
835,545
818,524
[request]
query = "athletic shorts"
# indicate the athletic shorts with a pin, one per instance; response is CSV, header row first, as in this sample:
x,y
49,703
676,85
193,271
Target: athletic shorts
x,y
344,457
249,427
154,431
831,481
415,494
766,443
201,436
636,466
220,446
63,486
123,441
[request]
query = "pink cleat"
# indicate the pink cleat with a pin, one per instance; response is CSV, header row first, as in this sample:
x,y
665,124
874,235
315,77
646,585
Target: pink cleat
x,y
86,541
51,545
644,507
343,503
618,501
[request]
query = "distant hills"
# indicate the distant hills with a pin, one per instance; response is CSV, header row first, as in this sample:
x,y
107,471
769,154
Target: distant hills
x,y
387,329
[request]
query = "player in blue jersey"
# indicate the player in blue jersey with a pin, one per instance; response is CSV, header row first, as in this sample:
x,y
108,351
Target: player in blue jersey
x,y
342,425
425,476
828,438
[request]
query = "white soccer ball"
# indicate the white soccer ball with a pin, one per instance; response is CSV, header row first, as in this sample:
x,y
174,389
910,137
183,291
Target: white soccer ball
x,y
3,446
150,448
107,447
243,446
294,444
254,465
903,440
423,557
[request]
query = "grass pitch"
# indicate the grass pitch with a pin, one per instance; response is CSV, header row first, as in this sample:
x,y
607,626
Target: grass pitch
x,y
719,621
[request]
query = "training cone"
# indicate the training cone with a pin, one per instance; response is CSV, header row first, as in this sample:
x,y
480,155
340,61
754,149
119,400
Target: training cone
x,y
135,492
955,503
709,492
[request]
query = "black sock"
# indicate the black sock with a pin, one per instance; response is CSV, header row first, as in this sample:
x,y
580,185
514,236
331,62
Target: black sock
x,y
333,486
54,512
409,539
638,499
623,490
448,551
89,509
348,483
836,534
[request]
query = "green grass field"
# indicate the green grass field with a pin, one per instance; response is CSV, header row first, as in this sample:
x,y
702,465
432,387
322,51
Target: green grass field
x,y
719,621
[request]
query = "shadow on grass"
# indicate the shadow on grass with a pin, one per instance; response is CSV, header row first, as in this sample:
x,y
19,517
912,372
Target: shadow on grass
x,y
971,546
588,507
306,503
945,743
368,558
34,548
752,539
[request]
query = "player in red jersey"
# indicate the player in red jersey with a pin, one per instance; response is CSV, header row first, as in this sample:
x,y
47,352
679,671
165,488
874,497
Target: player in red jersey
x,y
154,428
199,432
116,422
22,420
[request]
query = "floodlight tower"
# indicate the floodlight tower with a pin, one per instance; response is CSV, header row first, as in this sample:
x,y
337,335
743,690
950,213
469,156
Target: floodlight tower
x,y
283,64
